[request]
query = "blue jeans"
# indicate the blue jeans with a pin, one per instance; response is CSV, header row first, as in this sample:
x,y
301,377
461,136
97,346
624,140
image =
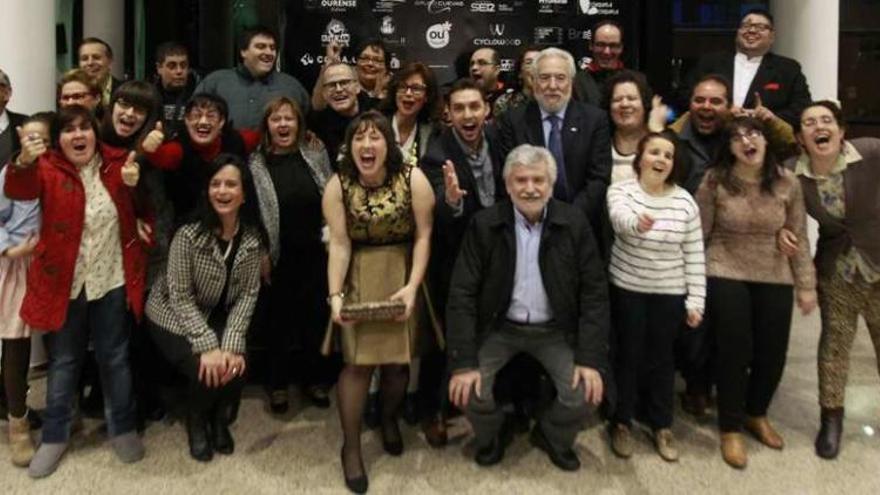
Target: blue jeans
x,y
105,321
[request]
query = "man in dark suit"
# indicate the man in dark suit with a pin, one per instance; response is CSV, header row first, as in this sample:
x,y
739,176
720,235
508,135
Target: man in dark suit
x,y
577,134
9,142
528,279
463,164
759,76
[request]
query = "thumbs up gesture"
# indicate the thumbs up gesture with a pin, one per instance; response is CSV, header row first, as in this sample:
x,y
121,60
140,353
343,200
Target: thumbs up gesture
x,y
761,112
131,171
154,138
32,146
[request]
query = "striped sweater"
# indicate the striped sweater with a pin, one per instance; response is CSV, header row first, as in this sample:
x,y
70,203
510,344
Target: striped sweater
x,y
668,258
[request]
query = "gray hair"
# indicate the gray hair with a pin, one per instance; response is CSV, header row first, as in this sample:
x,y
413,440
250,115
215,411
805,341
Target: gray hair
x,y
527,155
554,52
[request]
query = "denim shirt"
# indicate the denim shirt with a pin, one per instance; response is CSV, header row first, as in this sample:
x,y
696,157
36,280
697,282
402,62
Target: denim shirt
x,y
18,219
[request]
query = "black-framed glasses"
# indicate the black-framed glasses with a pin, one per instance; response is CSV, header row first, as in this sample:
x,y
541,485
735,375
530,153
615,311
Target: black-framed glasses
x,y
749,135
341,84
415,89
760,27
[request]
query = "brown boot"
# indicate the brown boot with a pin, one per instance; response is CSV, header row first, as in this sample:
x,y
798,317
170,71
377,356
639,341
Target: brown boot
x,y
761,429
733,450
21,446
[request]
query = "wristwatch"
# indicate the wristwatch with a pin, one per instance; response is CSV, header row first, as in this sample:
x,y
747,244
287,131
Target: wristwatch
x,y
340,294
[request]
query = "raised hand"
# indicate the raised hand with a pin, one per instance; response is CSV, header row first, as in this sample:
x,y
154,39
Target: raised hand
x,y
454,193
154,138
760,111
32,146
131,171
657,117
333,53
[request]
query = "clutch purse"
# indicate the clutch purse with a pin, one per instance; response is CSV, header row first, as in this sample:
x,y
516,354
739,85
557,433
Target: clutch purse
x,y
373,311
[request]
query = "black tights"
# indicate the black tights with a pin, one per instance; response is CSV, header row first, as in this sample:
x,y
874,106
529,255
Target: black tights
x,y
16,361
352,389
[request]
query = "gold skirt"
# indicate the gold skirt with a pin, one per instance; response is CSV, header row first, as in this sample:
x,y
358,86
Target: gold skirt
x,y
375,274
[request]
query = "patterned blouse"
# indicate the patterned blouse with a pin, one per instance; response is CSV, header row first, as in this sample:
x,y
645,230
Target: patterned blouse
x,y
98,267
833,197
379,215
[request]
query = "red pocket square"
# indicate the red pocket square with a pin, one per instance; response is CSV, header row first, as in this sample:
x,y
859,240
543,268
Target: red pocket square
x,y
772,86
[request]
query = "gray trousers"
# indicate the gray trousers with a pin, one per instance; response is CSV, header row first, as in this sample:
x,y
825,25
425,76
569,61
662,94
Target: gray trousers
x,y
562,421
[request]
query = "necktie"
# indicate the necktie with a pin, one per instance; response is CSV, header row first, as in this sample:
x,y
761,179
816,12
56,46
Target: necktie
x,y
560,191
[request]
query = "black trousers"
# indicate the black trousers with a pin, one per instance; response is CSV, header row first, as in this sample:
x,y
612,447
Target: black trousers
x,y
644,367
752,322
200,398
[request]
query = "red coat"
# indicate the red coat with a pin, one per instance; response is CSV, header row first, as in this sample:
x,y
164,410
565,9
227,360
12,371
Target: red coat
x,y
56,183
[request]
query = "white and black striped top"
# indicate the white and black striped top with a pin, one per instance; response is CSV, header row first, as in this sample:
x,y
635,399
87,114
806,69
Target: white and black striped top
x,y
668,259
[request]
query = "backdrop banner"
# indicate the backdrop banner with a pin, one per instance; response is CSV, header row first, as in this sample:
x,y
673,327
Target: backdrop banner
x,y
441,33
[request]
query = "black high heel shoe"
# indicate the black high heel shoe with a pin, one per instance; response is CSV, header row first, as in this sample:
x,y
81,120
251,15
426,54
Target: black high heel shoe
x,y
358,484
394,444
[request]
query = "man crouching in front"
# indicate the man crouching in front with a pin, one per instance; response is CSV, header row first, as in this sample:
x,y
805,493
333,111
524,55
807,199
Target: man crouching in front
x,y
528,279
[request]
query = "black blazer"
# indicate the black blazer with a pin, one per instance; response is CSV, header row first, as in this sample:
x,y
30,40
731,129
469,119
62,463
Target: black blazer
x,y
779,81
448,229
15,120
571,269
586,143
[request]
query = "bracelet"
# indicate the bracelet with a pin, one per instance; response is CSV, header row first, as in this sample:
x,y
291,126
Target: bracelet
x,y
340,294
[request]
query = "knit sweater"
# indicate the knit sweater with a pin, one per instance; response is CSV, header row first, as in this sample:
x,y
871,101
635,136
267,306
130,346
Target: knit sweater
x,y
741,229
668,258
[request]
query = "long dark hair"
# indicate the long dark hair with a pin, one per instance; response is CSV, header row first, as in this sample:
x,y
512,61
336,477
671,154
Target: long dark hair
x,y
366,120
725,161
144,97
248,214
68,115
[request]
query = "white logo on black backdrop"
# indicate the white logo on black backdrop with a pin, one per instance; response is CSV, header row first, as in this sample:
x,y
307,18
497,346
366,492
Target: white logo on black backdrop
x,y
507,64
339,5
308,59
439,6
598,8
579,34
552,6
395,62
386,6
437,35
587,8
337,32
548,35
497,39
387,28
484,7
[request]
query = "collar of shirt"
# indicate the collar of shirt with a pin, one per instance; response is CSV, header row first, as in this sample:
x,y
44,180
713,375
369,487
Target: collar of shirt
x,y
522,221
246,74
4,122
849,154
560,113
471,153
742,58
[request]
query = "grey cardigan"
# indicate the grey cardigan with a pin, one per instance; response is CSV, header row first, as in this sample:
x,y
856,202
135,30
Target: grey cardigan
x,y
182,299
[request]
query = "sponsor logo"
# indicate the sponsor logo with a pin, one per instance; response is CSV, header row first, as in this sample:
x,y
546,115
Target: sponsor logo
x,y
394,63
497,32
386,6
588,7
548,35
579,34
437,35
483,7
387,28
509,7
552,6
308,59
439,6
339,5
508,64
336,32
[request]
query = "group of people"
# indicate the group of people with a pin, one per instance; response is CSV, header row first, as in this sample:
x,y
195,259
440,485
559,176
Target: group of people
x,y
452,243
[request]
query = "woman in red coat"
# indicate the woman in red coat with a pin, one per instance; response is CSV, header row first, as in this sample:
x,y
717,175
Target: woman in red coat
x,y
87,270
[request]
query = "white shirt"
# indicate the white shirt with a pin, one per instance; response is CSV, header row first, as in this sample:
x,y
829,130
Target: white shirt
x,y
4,122
744,70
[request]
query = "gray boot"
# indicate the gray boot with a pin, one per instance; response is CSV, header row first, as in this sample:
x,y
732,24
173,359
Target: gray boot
x,y
46,460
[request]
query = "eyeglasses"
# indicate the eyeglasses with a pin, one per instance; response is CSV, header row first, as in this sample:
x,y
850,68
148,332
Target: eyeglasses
x,y
375,60
196,116
341,84
601,45
415,89
755,26
748,135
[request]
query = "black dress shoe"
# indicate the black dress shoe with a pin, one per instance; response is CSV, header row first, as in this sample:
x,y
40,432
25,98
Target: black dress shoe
x,y
278,401
828,439
357,484
434,429
566,460
491,454
392,441
222,437
197,434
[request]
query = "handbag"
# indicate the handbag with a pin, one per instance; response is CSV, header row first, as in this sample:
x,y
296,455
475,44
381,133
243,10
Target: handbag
x,y
373,311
